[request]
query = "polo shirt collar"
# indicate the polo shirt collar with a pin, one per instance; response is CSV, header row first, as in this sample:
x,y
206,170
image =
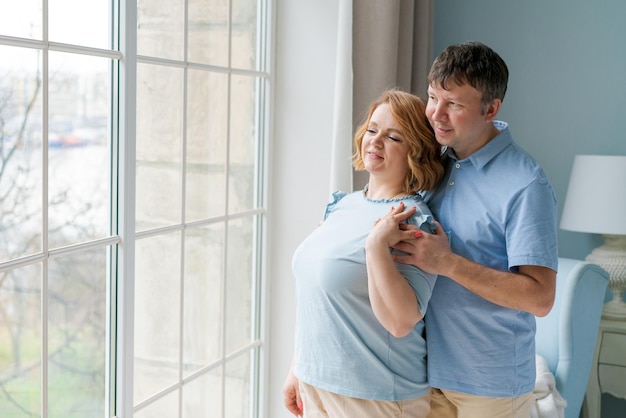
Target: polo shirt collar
x,y
492,148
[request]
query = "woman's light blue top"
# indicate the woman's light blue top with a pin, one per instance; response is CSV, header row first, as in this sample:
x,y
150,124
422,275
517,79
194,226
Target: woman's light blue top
x,y
340,345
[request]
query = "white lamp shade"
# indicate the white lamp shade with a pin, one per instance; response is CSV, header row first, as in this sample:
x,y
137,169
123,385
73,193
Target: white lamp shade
x,y
596,195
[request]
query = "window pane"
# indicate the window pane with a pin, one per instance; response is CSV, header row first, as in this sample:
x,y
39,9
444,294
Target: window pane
x,y
239,284
80,22
197,177
77,323
79,152
207,134
20,152
202,397
21,18
160,29
157,314
243,137
166,407
238,387
204,271
159,145
20,342
208,32
244,37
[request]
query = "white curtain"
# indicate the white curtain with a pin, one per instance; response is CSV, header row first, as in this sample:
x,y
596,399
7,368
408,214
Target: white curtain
x,y
341,168
380,44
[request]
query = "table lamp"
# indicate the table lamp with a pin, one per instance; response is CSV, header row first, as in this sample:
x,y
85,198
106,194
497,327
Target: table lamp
x,y
596,203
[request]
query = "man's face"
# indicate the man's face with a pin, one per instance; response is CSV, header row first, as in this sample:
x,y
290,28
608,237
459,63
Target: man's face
x,y
458,118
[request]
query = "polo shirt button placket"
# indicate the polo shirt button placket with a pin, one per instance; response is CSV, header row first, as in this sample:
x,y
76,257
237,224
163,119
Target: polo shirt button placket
x,y
457,166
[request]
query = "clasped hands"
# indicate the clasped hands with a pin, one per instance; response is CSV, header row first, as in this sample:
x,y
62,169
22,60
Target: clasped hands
x,y
423,250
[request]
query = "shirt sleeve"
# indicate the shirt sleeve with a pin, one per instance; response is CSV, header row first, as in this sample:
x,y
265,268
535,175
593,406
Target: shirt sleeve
x,y
423,217
334,199
421,282
531,232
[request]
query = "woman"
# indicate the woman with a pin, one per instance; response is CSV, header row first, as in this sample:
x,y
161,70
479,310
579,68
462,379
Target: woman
x,y
359,347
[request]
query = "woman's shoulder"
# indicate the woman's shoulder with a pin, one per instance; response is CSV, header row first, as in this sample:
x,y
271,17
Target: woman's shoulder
x,y
423,217
335,198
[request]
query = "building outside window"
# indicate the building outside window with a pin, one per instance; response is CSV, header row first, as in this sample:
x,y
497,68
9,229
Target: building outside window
x,y
132,179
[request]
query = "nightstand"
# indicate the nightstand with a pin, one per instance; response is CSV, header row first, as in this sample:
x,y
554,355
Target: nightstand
x,y
608,372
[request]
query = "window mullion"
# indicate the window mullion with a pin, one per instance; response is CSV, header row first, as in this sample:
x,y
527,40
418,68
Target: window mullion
x,y
126,191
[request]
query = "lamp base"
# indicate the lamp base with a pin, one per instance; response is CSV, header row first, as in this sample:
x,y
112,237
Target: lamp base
x,y
611,256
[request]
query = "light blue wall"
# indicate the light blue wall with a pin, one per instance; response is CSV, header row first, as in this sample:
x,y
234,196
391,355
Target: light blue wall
x,y
567,86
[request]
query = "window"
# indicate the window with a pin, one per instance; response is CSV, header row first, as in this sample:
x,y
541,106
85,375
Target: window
x,y
193,194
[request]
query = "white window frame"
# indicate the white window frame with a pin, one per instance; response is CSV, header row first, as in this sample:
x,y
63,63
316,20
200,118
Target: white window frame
x,y
122,240
125,404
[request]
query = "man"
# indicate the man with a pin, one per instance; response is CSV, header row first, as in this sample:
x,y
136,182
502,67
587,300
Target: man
x,y
495,250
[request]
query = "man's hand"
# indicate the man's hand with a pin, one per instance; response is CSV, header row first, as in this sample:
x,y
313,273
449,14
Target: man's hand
x,y
429,252
291,394
388,231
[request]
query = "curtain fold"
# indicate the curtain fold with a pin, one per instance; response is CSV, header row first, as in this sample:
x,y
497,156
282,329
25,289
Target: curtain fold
x,y
341,166
380,44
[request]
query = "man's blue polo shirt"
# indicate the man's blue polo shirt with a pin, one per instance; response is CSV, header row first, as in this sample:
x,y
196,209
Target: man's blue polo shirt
x,y
498,209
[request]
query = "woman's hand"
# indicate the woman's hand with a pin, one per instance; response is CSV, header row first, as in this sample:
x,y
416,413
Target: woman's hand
x,y
291,394
428,252
388,230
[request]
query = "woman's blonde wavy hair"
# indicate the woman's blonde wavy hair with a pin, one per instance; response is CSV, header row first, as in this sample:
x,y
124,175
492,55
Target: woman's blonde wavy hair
x,y
424,157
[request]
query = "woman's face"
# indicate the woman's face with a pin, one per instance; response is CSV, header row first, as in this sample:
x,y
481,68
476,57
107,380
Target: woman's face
x,y
384,148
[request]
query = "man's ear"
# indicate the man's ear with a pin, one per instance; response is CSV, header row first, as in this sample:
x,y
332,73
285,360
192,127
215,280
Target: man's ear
x,y
492,110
